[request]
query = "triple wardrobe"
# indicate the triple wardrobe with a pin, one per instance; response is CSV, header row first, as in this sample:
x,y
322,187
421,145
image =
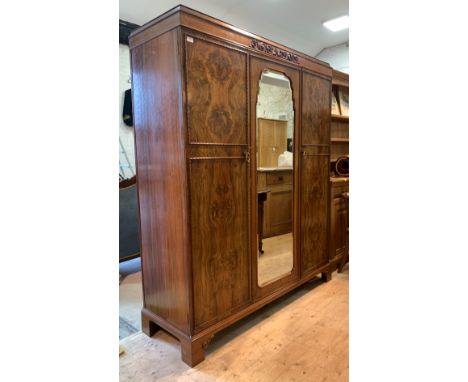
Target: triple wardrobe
x,y
232,156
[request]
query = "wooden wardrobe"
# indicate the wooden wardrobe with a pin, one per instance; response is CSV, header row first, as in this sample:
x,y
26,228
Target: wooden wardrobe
x,y
195,81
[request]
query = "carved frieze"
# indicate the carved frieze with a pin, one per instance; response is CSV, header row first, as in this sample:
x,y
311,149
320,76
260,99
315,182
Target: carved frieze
x,y
274,51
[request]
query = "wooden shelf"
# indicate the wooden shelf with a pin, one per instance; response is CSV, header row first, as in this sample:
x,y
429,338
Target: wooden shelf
x,y
339,129
342,118
340,79
339,139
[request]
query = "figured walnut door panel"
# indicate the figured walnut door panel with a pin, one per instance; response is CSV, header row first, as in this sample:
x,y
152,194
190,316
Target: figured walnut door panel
x,y
220,239
216,93
316,96
314,211
315,142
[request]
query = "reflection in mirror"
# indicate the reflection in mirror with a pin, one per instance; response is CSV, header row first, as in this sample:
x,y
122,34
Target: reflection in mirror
x,y
275,128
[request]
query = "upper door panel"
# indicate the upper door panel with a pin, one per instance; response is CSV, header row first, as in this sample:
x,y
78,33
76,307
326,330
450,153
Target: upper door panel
x,y
216,93
316,93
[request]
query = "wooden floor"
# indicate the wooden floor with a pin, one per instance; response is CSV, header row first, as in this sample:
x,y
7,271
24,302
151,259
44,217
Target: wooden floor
x,y
130,303
277,259
303,336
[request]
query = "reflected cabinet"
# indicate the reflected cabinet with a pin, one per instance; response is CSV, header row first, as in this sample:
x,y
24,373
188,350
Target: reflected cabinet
x,y
232,152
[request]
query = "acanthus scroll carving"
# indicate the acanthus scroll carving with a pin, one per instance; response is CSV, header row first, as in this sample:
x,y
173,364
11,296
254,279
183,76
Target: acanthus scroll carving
x,y
274,51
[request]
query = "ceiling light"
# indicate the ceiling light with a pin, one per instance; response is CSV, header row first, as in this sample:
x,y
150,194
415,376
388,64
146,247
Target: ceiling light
x,y
337,24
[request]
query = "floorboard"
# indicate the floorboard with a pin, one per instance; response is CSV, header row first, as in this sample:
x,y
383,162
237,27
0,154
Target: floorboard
x,y
303,336
277,259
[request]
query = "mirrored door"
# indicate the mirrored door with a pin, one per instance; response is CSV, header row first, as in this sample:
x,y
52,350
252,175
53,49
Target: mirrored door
x,y
275,134
274,125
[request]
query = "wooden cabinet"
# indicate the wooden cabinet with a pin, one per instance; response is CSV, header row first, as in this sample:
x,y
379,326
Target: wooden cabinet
x,y
278,206
272,135
195,81
339,218
339,204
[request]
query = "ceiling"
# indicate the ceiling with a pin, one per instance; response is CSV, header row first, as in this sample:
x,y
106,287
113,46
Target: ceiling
x,y
296,24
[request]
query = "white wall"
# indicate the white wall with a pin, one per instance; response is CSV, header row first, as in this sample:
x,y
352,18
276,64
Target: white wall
x,y
337,56
126,133
273,101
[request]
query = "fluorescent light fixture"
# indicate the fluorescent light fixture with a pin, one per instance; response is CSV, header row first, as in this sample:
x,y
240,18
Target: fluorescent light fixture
x,y
337,24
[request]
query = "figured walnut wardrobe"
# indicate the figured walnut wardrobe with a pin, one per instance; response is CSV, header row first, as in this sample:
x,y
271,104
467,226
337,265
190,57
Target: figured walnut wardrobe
x,y
195,81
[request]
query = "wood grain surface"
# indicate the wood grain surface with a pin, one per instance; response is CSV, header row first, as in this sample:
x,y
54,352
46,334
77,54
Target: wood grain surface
x,y
316,93
315,138
338,220
219,238
314,212
216,93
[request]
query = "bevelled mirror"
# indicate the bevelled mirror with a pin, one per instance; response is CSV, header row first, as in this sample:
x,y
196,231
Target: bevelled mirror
x,y
275,130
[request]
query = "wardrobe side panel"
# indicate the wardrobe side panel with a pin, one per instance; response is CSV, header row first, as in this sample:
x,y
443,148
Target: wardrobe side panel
x,y
161,175
315,172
